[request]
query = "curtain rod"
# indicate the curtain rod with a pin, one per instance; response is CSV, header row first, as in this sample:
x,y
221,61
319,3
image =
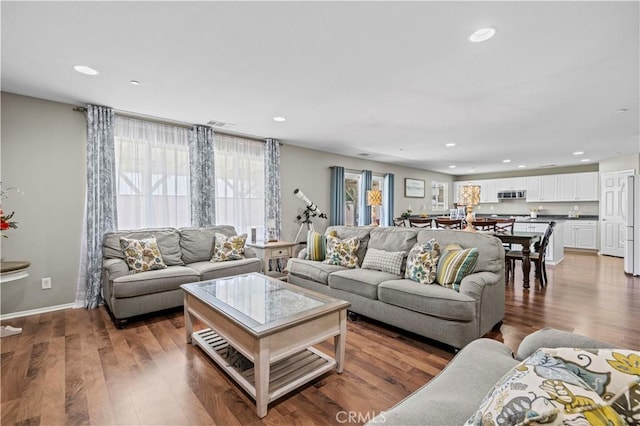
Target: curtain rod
x,y
135,115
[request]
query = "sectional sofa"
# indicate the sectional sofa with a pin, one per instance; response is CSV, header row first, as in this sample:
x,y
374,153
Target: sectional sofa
x,y
443,314
187,252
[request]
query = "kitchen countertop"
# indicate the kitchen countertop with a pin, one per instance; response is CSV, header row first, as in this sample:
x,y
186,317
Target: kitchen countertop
x,y
544,218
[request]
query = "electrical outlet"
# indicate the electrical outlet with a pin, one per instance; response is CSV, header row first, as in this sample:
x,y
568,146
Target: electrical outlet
x,y
46,283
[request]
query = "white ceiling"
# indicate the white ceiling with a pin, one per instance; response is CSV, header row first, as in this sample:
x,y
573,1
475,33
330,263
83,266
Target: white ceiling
x,y
396,80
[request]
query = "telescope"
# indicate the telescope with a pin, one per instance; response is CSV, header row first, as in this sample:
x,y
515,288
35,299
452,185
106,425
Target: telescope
x,y
310,205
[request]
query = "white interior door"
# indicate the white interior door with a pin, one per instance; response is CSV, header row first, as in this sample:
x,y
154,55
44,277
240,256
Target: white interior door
x,y
613,202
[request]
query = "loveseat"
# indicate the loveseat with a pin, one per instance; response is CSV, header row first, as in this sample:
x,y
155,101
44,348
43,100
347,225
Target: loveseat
x,y
187,253
455,395
443,314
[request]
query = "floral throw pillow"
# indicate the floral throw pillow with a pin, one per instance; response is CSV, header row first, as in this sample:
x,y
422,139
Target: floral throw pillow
x,y
547,389
142,255
422,262
228,248
342,252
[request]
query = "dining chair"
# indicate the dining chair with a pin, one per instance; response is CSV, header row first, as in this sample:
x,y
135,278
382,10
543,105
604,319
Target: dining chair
x,y
420,222
537,257
399,221
446,223
483,224
505,225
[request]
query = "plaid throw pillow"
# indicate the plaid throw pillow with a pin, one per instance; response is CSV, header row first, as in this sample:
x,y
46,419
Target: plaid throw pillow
x,y
385,261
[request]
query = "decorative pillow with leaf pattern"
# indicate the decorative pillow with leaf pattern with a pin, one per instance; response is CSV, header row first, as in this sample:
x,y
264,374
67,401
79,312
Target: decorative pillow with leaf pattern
x,y
228,248
342,252
566,387
142,255
422,262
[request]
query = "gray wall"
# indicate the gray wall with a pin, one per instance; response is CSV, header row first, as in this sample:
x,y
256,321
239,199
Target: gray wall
x,y
308,170
43,154
619,164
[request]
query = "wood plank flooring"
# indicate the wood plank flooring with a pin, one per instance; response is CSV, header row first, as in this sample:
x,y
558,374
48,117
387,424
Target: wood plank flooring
x,y
74,367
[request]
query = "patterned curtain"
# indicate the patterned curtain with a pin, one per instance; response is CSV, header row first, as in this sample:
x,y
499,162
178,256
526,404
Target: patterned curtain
x,y
336,204
101,210
273,193
387,199
366,180
202,176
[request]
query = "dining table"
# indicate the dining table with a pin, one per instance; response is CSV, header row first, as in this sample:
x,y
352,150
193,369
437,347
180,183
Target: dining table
x,y
527,240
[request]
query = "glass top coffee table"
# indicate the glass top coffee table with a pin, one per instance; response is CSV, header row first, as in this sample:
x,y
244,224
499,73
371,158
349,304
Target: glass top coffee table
x,y
273,325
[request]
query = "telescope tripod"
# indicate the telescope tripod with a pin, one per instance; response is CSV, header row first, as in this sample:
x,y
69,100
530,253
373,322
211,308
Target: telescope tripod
x,y
309,228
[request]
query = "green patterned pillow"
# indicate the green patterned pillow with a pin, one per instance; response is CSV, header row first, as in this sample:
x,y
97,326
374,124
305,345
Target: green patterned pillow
x,y
228,248
142,255
342,252
546,389
454,265
316,246
422,262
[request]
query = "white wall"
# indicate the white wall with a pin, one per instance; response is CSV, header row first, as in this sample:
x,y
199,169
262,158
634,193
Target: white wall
x,y
43,154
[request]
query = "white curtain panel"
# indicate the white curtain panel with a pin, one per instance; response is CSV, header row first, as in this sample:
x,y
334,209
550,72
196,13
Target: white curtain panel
x,y
152,167
240,183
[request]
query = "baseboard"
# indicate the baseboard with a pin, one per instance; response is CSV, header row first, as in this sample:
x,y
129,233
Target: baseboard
x,y
39,311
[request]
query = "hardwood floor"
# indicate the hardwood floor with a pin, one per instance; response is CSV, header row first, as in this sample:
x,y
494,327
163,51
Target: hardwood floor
x,y
74,367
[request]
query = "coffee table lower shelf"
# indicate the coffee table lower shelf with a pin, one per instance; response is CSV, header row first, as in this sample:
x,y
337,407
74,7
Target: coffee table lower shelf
x,y
285,375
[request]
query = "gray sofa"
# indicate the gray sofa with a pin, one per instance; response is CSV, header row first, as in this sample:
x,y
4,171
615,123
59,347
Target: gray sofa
x,y
454,395
433,311
186,252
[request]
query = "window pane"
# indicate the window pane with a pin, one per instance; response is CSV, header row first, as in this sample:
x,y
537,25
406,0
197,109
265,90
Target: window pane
x,y
352,198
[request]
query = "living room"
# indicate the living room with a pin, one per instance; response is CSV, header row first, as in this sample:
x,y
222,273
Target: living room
x,y
44,147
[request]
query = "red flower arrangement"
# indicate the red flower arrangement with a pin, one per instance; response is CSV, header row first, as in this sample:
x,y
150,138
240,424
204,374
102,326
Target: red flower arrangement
x,y
5,219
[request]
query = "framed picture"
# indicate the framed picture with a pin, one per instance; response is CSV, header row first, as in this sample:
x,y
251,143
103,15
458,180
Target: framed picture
x,y
413,188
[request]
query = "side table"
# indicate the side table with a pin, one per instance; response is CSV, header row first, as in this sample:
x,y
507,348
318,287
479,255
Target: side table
x,y
11,271
277,250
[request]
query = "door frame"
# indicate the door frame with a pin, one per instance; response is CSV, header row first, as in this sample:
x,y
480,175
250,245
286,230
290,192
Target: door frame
x,y
620,196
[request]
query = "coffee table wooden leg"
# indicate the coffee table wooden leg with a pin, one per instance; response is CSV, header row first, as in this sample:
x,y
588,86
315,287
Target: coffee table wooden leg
x,y
188,322
261,371
340,341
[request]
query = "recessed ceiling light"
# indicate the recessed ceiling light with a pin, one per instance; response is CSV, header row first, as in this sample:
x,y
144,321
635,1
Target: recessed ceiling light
x,y
483,34
452,166
585,160
83,69
521,166
471,170
578,153
279,119
449,145
506,161
135,82
621,110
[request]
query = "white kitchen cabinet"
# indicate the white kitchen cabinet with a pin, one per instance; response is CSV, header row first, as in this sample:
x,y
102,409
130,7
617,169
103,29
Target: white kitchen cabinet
x,y
578,187
542,188
582,234
555,248
488,191
511,184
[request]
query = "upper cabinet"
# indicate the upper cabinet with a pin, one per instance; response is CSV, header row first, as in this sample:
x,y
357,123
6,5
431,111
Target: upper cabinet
x,y
578,187
542,188
546,188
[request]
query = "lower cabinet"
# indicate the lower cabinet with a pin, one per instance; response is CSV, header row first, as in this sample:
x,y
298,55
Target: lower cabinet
x,y
555,249
582,234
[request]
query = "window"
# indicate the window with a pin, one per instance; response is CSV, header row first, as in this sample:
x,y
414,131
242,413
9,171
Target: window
x,y
438,196
152,169
239,170
351,198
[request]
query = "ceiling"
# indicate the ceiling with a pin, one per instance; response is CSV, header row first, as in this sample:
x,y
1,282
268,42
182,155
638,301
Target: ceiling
x,y
393,80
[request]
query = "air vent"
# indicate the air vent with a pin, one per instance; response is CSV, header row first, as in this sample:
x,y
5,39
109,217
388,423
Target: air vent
x,y
219,124
547,166
364,154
